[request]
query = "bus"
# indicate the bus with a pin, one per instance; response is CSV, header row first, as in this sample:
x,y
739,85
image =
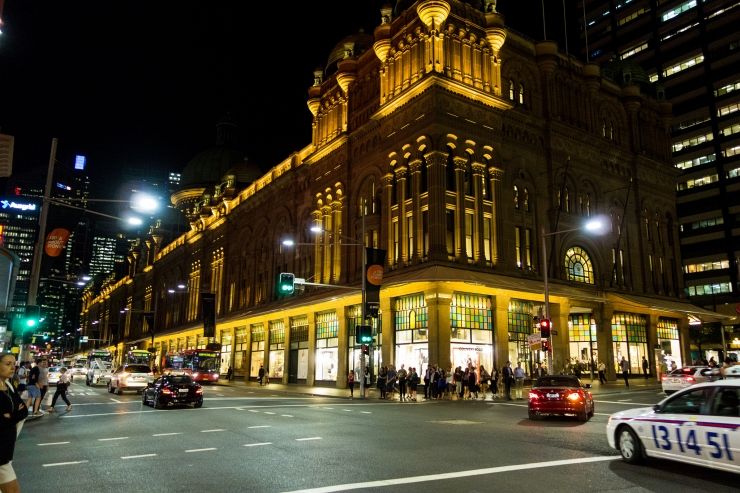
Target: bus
x,y
138,357
201,364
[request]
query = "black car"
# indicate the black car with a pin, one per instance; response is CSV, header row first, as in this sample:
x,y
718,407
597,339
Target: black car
x,y
173,390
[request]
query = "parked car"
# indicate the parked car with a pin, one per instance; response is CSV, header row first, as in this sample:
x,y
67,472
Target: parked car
x,y
561,395
54,374
681,378
171,390
129,377
697,425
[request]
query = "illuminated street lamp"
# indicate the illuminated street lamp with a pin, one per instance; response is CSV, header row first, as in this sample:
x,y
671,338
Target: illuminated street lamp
x,y
596,225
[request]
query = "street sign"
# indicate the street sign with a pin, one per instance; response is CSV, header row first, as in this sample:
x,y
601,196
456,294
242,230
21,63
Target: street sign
x,y
83,339
535,340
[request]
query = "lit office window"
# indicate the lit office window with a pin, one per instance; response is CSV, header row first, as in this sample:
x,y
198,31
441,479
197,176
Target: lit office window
x,y
729,109
697,161
721,91
692,141
675,12
706,266
732,151
683,65
698,182
714,288
633,50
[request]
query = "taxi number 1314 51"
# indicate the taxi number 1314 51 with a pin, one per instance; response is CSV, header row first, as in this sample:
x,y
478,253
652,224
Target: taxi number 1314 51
x,y
717,443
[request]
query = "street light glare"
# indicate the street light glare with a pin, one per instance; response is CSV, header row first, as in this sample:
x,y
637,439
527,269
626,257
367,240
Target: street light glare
x,y
144,203
595,225
288,242
135,221
316,229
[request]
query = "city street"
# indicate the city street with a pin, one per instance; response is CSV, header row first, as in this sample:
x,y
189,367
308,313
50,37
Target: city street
x,y
257,439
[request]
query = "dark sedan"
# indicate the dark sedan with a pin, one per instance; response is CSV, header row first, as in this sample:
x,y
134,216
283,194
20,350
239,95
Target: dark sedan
x,y
173,390
560,395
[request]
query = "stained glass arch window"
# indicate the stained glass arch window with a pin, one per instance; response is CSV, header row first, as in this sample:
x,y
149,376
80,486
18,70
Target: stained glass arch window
x,y
578,266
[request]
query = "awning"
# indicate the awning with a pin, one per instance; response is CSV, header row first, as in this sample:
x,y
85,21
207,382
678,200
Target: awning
x,y
659,304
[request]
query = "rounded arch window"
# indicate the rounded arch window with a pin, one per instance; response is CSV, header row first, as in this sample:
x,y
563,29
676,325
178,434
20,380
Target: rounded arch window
x,y
578,265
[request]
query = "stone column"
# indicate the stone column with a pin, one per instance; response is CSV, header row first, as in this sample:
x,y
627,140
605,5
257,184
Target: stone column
x,y
311,371
478,246
436,165
342,356
651,331
387,182
496,211
501,330
604,341
460,164
438,305
415,176
388,350
402,228
317,261
286,349
559,315
337,253
683,334
326,263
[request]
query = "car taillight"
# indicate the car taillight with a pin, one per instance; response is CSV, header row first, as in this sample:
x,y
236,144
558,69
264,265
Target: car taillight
x,y
196,374
166,391
664,378
689,379
534,395
574,396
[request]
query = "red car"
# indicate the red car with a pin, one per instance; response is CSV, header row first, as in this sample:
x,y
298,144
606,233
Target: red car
x,y
561,395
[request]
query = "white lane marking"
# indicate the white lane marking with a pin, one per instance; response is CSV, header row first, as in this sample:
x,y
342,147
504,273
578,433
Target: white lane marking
x,y
51,443
366,412
204,409
64,463
111,439
625,400
220,395
286,415
452,475
200,449
625,403
306,439
602,414
328,408
257,444
260,426
253,411
212,431
166,434
268,412
347,410
138,456
116,400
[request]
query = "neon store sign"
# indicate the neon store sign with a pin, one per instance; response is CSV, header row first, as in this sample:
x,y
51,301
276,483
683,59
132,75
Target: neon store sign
x,y
10,204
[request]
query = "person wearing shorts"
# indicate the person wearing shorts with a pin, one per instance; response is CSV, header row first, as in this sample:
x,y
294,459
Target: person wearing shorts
x,y
12,413
34,392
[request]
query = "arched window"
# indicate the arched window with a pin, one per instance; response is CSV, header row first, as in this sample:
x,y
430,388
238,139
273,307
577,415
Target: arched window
x,y
587,204
521,94
603,128
525,198
566,200
511,89
516,197
611,131
578,265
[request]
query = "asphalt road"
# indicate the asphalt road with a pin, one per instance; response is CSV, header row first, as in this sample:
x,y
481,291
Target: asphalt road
x,y
250,440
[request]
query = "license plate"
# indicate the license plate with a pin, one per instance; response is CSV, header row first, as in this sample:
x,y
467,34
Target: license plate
x,y
183,391
553,396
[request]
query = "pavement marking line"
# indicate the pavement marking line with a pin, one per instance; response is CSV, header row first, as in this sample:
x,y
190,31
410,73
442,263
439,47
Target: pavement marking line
x,y
167,434
625,403
64,463
111,439
258,426
256,444
366,412
347,410
452,475
625,400
212,431
328,408
253,411
138,456
200,449
602,414
269,412
51,443
286,415
307,439
116,400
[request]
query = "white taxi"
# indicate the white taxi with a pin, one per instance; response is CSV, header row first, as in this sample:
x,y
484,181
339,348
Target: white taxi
x,y
699,425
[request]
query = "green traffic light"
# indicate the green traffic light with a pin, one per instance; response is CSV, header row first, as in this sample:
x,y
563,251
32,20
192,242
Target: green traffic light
x,y
31,322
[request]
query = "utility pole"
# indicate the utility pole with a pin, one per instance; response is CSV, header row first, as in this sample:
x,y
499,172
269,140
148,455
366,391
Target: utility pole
x,y
363,309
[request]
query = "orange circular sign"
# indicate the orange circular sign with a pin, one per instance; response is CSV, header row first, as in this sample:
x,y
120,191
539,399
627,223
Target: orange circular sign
x,y
56,241
375,274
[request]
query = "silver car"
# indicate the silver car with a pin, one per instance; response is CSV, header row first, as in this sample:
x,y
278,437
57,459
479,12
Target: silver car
x,y
130,377
681,378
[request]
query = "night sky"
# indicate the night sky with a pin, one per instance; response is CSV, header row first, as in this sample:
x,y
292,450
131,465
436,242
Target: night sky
x,y
141,84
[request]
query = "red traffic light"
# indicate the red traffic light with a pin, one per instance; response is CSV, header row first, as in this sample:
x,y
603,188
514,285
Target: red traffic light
x,y
365,349
545,326
546,346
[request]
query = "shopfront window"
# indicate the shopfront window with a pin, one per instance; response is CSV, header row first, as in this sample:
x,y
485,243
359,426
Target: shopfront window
x,y
354,318
520,325
411,323
471,323
327,346
629,336
298,368
240,349
257,349
225,340
277,349
582,340
669,341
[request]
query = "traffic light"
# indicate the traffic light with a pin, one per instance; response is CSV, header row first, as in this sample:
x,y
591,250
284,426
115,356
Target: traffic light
x,y
546,345
363,334
365,349
286,285
545,326
32,317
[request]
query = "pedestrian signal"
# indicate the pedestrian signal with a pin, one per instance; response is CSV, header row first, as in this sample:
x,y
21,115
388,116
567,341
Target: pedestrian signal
x,y
363,334
286,284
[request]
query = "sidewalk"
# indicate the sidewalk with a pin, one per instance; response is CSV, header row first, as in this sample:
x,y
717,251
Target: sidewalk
x,y
612,387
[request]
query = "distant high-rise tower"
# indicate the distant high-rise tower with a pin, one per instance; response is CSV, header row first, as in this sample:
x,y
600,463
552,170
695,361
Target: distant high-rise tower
x,y
6,153
690,51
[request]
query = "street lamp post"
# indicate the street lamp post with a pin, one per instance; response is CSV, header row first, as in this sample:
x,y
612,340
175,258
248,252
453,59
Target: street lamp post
x,y
594,226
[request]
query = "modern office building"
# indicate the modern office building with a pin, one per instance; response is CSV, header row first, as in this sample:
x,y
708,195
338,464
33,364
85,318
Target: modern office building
x,y
688,52
471,157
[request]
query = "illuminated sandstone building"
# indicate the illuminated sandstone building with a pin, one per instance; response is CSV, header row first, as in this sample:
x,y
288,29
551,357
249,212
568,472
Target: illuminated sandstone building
x,y
451,143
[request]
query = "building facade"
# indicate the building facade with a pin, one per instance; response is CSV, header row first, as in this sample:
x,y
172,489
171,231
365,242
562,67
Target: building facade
x,y
472,157
690,51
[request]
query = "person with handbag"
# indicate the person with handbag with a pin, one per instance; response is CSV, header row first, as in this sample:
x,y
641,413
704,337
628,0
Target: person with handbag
x,y
12,413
